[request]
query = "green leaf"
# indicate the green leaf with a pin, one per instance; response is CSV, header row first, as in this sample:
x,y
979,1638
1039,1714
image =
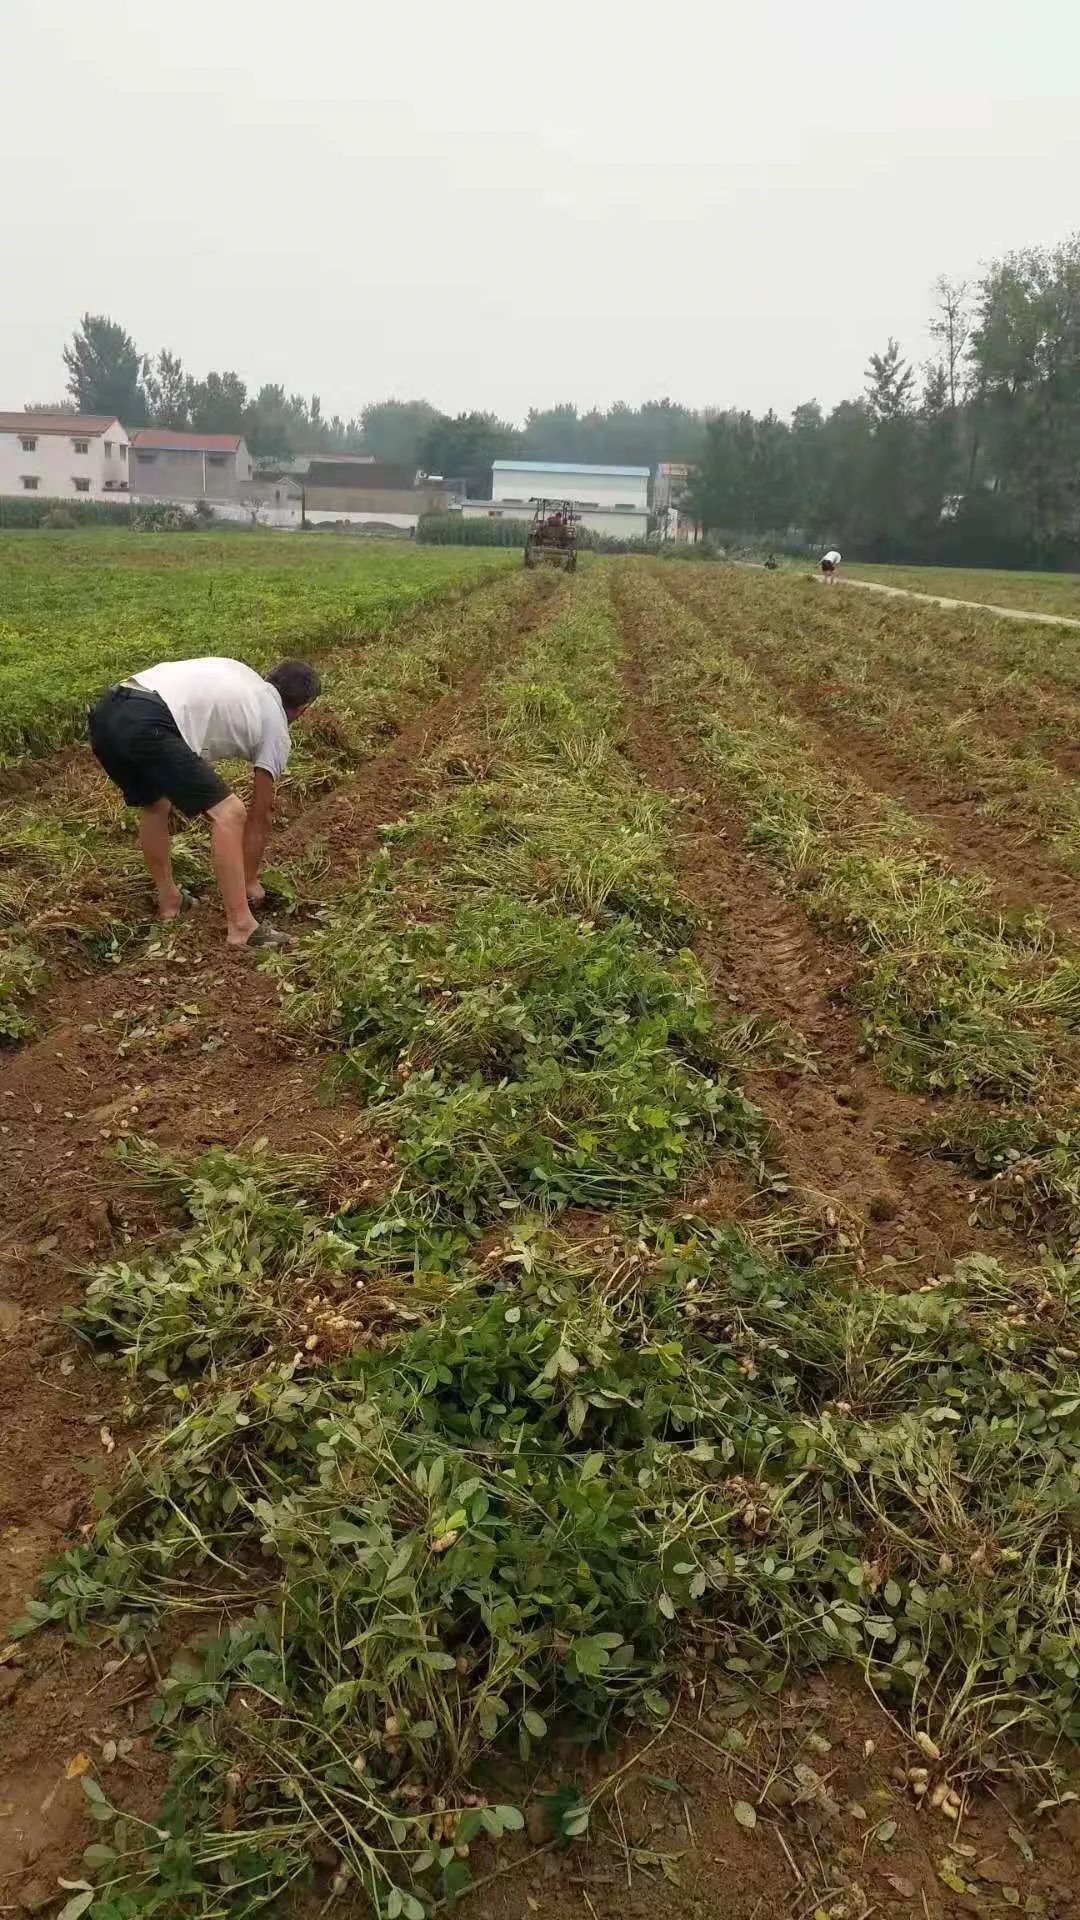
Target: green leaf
x,y
340,1696
92,1791
512,1818
456,1878
534,1724
745,1814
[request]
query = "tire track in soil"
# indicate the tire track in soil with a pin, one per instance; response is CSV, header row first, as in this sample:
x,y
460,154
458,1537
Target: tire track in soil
x,y
64,1100
842,1134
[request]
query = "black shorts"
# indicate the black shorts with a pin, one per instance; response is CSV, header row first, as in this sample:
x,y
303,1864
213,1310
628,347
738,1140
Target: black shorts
x,y
142,750
828,566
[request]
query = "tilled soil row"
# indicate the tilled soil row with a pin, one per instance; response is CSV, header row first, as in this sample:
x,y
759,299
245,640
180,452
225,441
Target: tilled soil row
x,y
178,1045
843,1137
1019,869
1021,872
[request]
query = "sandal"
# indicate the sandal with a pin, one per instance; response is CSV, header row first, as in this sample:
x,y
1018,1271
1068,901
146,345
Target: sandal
x,y
187,901
267,936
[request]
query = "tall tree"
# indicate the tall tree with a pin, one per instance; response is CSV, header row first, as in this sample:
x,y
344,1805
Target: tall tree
x,y
167,391
270,422
106,370
950,326
394,430
217,404
464,448
890,384
1025,352
552,433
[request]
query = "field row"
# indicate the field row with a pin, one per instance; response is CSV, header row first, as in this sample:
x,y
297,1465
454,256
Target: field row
x,y
510,1436
956,996
928,689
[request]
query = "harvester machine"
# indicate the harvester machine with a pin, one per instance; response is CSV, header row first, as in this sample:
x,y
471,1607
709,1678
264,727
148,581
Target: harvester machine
x,y
552,537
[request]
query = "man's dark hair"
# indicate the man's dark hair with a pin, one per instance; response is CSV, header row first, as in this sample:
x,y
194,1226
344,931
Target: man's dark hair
x,y
297,682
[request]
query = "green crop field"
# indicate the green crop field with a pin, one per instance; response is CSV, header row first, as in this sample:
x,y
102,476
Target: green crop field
x,y
1036,592
623,1260
80,609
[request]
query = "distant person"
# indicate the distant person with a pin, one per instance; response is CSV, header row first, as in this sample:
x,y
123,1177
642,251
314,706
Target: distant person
x,y
770,564
830,564
157,736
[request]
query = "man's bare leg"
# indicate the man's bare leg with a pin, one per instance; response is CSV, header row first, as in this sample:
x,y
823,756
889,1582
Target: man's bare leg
x,y
227,848
157,852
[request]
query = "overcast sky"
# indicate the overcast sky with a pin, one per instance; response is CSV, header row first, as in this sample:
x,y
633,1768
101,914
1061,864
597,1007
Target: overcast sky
x,y
502,204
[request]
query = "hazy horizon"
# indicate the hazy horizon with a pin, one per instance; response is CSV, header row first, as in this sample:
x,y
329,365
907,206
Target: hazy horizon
x,y
502,212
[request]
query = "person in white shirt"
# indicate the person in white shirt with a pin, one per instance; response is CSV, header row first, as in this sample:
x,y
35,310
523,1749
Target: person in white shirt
x,y
157,736
830,564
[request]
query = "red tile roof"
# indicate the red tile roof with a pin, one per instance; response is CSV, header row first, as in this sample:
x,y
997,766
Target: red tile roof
x,y
164,440
81,426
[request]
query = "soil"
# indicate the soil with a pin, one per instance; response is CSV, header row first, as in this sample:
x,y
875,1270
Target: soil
x,y
665,1843
177,1045
844,1838
843,1138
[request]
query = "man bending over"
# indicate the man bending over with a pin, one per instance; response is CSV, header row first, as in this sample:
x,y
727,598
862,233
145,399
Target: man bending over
x,y
157,736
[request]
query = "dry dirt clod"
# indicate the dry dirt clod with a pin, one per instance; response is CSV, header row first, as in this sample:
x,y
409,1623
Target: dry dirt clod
x,y
10,1679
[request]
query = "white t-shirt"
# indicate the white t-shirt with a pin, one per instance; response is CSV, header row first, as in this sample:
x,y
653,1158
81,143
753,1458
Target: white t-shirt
x,y
224,710
832,557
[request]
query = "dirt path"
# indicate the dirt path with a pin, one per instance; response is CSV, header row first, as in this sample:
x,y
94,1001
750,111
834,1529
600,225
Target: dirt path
x,y
177,1045
939,600
843,1136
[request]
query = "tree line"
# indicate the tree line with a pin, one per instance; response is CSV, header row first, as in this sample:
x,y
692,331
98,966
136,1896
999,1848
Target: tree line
x,y
972,456
108,374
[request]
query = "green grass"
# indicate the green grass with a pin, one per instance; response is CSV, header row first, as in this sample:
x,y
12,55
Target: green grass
x,y
80,609
1054,593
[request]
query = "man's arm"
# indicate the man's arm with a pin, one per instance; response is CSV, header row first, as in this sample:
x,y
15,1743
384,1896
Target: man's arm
x,y
257,827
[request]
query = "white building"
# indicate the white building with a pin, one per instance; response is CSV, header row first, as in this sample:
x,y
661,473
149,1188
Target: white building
x,y
610,500
62,455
